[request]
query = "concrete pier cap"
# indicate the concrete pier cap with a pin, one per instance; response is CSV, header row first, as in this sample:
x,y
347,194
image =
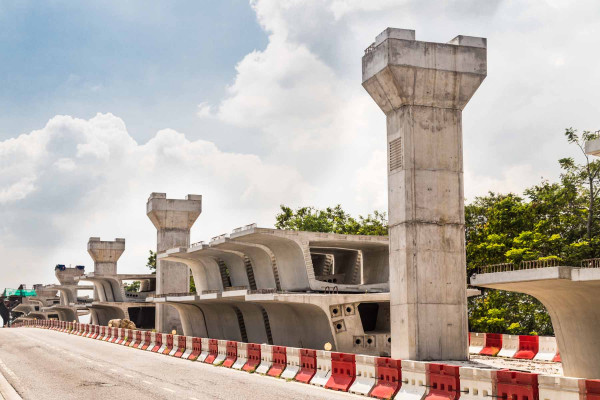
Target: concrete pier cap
x,y
105,254
422,87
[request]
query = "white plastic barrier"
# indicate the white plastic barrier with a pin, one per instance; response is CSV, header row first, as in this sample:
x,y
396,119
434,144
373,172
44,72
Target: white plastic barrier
x,y
188,347
547,348
293,363
365,375
323,368
553,387
163,346
204,353
152,341
266,359
242,356
477,342
510,345
477,384
222,352
133,337
414,381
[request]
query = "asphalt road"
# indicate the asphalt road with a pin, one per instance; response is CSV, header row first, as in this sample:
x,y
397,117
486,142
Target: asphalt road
x,y
44,364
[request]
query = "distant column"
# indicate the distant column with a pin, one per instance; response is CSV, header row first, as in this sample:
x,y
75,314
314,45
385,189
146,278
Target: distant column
x,y
173,220
422,88
105,254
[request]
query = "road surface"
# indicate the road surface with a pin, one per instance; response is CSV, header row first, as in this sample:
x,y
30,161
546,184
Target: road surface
x,y
42,364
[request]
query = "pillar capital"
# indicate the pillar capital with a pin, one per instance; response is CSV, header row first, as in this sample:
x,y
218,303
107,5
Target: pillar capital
x,y
399,70
105,250
173,213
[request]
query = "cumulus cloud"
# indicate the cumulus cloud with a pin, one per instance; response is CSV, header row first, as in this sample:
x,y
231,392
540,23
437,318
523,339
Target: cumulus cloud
x,y
78,178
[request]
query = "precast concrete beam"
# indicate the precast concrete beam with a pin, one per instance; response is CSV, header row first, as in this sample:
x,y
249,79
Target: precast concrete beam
x,y
105,254
571,297
205,271
173,220
422,88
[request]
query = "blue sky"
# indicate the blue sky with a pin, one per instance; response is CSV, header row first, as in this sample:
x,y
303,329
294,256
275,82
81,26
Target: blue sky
x,y
252,104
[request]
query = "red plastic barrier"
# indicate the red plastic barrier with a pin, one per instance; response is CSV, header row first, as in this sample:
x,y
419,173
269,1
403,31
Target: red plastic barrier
x,y
279,361
102,333
129,337
557,358
308,365
493,344
343,371
123,335
444,382
158,342
196,348
169,344
213,351
108,334
253,357
592,389
528,347
96,332
138,339
515,385
389,378
231,354
147,340
115,335
181,346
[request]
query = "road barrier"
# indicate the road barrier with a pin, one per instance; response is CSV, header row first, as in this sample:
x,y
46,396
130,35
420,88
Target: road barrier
x,y
148,340
493,344
213,351
444,382
510,345
528,347
181,346
323,372
414,380
138,340
476,342
231,348
389,378
204,352
221,352
122,336
308,365
173,349
343,371
241,356
293,363
159,347
592,389
189,347
266,359
279,361
196,348
561,388
128,337
548,349
365,375
115,335
477,384
254,357
520,384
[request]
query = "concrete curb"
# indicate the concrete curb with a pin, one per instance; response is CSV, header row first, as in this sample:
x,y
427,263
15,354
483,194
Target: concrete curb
x,y
7,392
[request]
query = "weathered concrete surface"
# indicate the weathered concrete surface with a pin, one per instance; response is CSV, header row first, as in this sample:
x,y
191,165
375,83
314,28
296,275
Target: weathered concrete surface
x,y
592,147
422,88
105,254
82,368
173,220
571,297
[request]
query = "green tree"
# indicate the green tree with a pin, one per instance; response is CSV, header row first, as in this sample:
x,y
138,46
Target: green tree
x,y
133,287
151,263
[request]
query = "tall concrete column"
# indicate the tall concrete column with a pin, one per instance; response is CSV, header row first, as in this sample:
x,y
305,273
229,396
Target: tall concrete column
x,y
422,88
105,255
173,220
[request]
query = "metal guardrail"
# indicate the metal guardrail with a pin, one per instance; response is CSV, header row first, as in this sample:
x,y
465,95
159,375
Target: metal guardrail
x,y
523,265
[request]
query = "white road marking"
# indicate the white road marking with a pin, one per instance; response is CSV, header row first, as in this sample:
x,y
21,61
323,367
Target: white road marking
x,y
169,390
147,383
113,370
129,376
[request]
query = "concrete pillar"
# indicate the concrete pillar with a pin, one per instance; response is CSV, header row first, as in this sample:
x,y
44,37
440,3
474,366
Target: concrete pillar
x,y
173,220
105,254
422,88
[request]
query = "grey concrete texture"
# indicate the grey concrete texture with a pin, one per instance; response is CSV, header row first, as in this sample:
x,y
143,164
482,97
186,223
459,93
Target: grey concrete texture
x,y
105,254
422,88
92,369
592,147
571,297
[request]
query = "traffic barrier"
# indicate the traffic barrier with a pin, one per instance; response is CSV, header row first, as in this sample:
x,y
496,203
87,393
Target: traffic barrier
x,y
444,382
133,337
128,337
230,353
557,357
510,345
592,389
517,385
266,359
547,348
221,352
168,344
204,354
414,381
560,388
293,363
102,334
477,384
242,356
138,339
365,375
108,335
254,357
493,344
279,361
122,336
343,371
213,351
148,340
115,335
159,347
176,344
96,331
308,365
196,348
476,342
389,378
528,347
323,372
185,346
